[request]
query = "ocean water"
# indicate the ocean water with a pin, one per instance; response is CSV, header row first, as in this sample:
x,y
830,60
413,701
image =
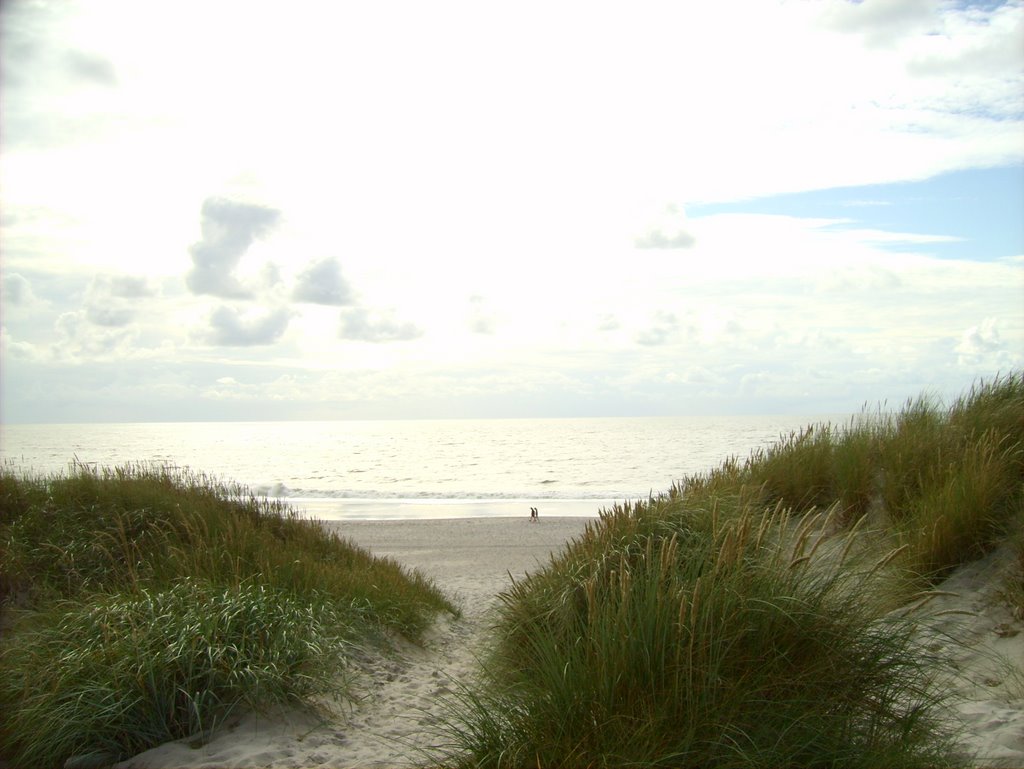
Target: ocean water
x,y
417,468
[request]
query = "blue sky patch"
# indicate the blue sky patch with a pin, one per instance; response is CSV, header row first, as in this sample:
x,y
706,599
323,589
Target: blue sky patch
x,y
982,208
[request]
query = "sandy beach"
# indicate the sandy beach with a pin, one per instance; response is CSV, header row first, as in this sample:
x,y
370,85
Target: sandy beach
x,y
472,558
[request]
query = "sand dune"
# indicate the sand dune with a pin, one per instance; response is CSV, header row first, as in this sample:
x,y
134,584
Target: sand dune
x,y
472,559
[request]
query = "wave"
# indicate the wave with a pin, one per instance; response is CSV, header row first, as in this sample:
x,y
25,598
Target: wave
x,y
280,491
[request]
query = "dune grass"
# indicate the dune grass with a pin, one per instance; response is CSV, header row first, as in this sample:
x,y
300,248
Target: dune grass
x,y
662,639
946,483
144,604
748,616
1013,587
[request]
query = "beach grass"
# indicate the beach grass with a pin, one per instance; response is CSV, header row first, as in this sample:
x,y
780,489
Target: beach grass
x,y
757,614
662,639
1013,588
145,604
944,482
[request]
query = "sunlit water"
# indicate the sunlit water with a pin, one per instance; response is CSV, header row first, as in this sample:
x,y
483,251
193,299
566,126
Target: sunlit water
x,y
417,469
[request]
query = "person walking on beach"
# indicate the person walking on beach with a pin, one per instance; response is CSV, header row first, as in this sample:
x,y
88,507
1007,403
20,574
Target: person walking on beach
x,y
534,515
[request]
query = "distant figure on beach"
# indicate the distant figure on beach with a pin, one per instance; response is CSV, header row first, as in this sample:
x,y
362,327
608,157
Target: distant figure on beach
x,y
533,515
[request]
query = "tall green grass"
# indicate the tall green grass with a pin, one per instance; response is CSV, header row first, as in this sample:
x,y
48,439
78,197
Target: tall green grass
x,y
747,617
945,482
1013,585
662,639
98,530
127,672
146,604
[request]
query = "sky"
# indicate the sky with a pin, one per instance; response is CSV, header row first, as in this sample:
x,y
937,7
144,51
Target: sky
x,y
247,210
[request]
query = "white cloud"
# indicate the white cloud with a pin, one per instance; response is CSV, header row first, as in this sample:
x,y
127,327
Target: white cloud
x,y
229,229
91,68
979,48
114,317
658,239
131,287
114,301
141,188
482,319
671,232
11,349
982,344
230,327
884,22
323,283
663,328
359,324
17,290
82,335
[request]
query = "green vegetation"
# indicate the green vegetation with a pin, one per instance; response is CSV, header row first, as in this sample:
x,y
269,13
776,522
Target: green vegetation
x,y
1013,590
946,485
143,605
747,616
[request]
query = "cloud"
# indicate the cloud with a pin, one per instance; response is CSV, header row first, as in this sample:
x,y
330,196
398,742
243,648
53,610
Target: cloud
x,y
658,239
10,348
358,324
323,283
882,22
33,50
112,317
661,331
17,290
867,203
482,324
671,232
78,338
228,229
566,278
481,320
701,375
109,299
230,328
91,68
975,46
982,344
870,278
55,92
130,287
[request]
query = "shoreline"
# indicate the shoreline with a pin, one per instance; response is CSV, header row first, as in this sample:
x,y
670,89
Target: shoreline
x,y
342,509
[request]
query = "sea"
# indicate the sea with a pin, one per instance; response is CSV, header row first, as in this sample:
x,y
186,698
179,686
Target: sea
x,y
413,469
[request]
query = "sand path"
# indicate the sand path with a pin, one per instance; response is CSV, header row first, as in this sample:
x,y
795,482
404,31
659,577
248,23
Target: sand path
x,y
985,644
470,559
